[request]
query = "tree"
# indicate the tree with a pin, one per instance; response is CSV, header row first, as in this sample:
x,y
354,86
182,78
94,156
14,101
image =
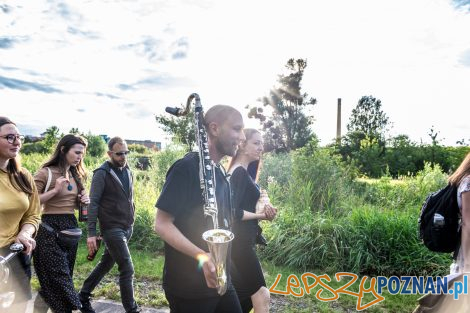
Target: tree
x,y
75,131
96,145
286,126
51,137
367,117
180,128
435,142
364,143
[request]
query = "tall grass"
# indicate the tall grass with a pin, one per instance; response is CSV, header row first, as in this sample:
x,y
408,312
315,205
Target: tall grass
x,y
327,220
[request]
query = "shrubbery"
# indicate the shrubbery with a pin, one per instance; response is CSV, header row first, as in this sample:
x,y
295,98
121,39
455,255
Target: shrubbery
x,y
327,221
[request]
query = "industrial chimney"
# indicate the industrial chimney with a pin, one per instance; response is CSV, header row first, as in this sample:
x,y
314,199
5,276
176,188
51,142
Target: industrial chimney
x,y
338,123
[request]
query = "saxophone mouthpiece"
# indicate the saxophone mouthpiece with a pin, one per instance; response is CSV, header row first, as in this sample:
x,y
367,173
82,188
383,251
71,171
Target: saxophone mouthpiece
x,y
173,111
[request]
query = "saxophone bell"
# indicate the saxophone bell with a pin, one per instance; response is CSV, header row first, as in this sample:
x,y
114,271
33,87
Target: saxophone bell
x,y
218,241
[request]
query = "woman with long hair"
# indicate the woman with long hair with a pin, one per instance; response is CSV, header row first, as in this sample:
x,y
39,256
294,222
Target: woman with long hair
x,y
461,179
60,186
250,205
19,214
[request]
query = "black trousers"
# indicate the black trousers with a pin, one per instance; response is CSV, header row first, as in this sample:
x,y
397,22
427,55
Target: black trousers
x,y
228,303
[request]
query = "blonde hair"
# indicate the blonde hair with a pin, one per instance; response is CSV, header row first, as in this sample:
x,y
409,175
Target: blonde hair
x,y
254,167
462,171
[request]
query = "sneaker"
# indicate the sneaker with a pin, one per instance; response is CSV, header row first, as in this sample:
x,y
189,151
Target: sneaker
x,y
86,305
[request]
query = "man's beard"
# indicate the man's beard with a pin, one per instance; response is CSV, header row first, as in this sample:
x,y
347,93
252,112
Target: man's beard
x,y
224,150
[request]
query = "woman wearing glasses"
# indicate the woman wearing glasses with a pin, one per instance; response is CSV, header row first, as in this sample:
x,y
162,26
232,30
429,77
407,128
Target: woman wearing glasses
x,y
59,182
19,214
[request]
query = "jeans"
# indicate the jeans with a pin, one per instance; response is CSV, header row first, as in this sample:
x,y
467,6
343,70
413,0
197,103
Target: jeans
x,y
116,251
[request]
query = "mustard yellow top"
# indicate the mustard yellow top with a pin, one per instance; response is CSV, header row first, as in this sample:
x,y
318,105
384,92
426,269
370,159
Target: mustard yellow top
x,y
16,208
65,201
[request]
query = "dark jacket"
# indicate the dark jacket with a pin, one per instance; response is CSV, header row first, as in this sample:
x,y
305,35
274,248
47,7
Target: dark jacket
x,y
109,202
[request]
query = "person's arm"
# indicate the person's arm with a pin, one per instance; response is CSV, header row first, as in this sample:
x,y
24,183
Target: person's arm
x,y
40,179
25,237
466,230
167,230
30,221
238,184
60,182
240,180
96,191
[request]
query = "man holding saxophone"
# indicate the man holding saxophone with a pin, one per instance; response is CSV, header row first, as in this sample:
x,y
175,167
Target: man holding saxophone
x,y
189,275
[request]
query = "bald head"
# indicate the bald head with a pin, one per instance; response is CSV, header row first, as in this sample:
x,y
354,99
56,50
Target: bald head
x,y
219,114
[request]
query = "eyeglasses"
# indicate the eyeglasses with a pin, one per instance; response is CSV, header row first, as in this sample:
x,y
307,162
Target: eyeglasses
x,y
121,153
12,137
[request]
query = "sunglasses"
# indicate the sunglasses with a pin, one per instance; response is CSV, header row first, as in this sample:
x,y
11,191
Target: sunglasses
x,y
120,153
12,137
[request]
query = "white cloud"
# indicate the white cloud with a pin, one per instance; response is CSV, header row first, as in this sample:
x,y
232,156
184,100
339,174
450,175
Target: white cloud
x,y
413,55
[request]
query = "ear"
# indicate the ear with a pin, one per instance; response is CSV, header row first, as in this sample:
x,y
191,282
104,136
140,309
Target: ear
x,y
109,153
61,149
213,129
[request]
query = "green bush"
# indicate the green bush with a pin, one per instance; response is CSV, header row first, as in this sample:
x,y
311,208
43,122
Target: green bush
x,y
138,148
162,161
33,161
370,227
385,242
34,147
304,240
320,179
96,145
277,168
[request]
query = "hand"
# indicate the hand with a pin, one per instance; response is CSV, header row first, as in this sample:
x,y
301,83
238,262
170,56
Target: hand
x,y
208,268
24,237
60,183
91,244
84,198
270,212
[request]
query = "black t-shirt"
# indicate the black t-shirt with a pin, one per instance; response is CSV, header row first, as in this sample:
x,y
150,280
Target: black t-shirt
x,y
182,198
245,196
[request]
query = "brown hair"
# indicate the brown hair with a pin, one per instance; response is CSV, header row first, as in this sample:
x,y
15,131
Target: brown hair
x,y
17,178
254,166
58,157
114,141
462,171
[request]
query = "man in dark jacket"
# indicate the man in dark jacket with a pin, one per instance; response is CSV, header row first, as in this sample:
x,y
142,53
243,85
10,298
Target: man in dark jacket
x,y
111,202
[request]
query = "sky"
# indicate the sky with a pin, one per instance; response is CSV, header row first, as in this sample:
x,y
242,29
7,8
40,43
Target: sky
x,y
109,67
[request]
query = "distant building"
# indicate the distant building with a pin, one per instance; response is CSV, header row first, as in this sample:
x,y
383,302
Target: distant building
x,y
31,138
154,145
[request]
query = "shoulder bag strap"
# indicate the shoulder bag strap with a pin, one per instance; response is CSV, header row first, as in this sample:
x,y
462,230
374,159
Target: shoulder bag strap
x,y
49,179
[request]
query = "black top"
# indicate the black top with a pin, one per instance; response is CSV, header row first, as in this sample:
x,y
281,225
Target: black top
x,y
181,197
245,196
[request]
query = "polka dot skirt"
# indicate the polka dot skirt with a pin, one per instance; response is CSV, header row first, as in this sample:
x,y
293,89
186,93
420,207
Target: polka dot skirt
x,y
54,265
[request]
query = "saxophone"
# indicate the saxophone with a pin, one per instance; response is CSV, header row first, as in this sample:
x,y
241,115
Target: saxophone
x,y
218,240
